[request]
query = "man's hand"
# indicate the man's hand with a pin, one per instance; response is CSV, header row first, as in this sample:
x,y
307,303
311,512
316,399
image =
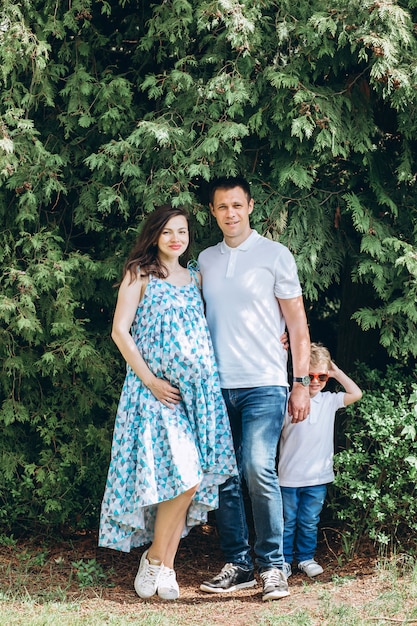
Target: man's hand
x,y
299,403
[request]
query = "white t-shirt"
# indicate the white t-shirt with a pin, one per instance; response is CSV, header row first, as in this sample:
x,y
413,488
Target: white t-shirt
x,y
306,448
240,288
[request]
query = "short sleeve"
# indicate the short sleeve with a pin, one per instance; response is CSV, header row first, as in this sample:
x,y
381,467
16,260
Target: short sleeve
x,y
287,284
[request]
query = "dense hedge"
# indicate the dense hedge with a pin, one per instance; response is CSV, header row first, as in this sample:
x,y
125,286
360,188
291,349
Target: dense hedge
x,y
109,107
375,491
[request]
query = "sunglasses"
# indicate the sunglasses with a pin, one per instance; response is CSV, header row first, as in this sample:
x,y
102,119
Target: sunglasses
x,y
321,378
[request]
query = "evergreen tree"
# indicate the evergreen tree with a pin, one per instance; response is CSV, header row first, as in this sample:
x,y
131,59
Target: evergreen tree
x,y
111,107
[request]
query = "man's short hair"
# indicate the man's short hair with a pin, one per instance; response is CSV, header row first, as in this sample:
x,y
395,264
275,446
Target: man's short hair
x,y
229,182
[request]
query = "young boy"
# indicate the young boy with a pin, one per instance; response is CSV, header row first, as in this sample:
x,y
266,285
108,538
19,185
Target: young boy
x,y
306,461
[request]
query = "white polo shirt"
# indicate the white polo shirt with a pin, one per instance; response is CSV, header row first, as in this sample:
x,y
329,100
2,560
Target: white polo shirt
x,y
306,448
240,288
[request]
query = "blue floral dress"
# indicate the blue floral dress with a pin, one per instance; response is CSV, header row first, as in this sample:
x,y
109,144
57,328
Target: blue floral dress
x,y
157,452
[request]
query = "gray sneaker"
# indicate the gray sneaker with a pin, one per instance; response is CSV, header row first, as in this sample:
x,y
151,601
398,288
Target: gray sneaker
x,y
275,584
310,567
287,570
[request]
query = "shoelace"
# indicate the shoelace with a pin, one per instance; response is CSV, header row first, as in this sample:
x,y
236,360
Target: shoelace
x,y
226,570
151,572
273,577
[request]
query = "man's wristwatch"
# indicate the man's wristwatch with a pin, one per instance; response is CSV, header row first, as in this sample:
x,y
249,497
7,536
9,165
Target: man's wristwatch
x,y
304,380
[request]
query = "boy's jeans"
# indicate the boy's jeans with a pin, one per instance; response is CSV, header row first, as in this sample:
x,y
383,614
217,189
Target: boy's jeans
x,y
256,416
302,508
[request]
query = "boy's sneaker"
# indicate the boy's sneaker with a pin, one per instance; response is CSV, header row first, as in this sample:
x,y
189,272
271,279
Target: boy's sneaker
x,y
310,567
167,584
275,584
231,578
287,569
147,578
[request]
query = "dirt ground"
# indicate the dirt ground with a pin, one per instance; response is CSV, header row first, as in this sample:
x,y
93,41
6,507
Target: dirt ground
x,y
49,566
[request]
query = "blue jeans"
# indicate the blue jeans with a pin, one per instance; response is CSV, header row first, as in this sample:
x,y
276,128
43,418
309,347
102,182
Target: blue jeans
x,y
256,416
302,508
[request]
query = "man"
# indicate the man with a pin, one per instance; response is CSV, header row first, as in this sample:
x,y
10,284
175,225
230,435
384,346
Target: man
x,y
252,292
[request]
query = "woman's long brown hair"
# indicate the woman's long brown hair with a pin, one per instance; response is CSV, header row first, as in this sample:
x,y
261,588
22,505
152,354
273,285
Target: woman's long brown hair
x,y
144,254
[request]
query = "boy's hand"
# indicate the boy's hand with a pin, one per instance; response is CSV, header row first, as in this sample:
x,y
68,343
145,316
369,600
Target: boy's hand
x,y
284,340
333,370
352,392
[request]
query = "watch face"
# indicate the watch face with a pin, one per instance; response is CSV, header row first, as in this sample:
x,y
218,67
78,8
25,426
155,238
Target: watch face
x,y
304,380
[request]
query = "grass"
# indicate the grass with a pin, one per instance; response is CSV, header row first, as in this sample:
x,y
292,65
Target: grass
x,y
391,595
44,585
327,612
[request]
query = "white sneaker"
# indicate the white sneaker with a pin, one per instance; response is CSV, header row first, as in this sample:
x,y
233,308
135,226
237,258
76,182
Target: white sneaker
x,y
147,578
310,567
167,585
287,569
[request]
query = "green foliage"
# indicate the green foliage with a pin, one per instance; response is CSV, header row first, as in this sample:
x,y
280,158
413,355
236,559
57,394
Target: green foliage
x,y
89,573
109,108
376,472
56,386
